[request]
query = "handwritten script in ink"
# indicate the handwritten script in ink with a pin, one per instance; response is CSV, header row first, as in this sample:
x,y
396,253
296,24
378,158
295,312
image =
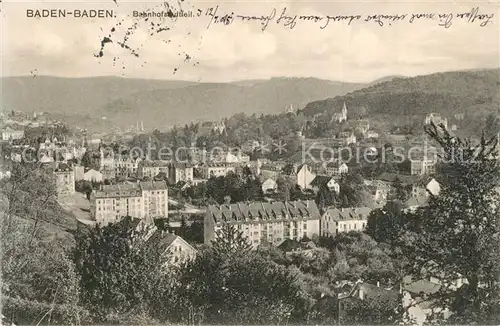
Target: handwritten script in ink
x,y
284,17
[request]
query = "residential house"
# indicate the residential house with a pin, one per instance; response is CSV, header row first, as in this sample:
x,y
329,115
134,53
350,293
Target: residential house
x,y
211,169
367,291
209,127
265,222
414,202
371,134
304,176
155,197
335,221
93,176
174,249
290,109
271,170
150,169
269,185
425,187
126,166
180,172
363,125
346,138
417,292
336,169
143,200
253,166
11,134
292,246
436,119
423,165
65,180
250,146
325,181
379,190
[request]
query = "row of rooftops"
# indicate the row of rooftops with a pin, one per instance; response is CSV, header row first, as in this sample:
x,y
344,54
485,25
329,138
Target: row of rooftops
x,y
349,214
129,189
243,212
163,163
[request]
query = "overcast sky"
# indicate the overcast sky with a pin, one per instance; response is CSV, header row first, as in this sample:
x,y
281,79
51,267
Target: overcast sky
x,y
361,52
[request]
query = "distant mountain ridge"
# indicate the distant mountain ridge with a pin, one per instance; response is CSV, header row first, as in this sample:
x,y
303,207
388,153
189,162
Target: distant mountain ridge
x,y
159,103
447,93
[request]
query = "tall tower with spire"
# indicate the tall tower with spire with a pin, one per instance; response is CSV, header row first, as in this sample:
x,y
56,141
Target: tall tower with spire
x,y
344,112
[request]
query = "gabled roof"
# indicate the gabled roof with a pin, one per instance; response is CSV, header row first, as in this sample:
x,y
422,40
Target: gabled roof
x,y
153,185
240,212
371,292
419,201
321,180
163,240
392,177
419,286
348,214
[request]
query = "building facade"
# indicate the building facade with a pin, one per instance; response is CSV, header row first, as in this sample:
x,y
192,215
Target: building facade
x,y
265,222
11,134
423,166
436,119
209,170
336,169
335,221
180,172
65,180
304,177
143,200
151,169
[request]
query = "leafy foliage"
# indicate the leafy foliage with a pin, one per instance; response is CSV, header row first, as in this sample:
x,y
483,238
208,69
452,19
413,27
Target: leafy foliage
x,y
458,233
117,272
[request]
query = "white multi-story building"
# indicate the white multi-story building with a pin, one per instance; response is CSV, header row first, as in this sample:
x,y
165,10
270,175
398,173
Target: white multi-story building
x,y
180,172
151,169
424,165
264,222
144,200
126,166
11,134
335,221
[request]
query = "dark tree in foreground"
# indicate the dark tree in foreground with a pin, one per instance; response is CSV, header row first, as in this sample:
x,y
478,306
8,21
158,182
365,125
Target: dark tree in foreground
x,y
117,273
230,241
458,233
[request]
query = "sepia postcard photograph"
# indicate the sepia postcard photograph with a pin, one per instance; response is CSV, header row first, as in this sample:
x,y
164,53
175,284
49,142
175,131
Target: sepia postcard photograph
x,y
238,162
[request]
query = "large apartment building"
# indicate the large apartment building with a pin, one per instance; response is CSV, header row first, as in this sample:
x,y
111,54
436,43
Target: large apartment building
x,y
144,200
265,222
